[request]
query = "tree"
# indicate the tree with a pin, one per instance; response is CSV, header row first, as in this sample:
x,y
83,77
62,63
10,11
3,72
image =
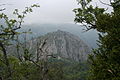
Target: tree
x,y
104,62
8,33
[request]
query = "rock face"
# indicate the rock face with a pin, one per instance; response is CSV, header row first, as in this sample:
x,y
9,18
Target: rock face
x,y
65,45
60,44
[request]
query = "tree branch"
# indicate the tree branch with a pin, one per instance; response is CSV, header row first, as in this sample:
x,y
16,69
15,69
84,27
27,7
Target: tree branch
x,y
105,3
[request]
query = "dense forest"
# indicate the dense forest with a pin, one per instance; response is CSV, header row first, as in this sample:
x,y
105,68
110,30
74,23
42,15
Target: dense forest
x,y
102,63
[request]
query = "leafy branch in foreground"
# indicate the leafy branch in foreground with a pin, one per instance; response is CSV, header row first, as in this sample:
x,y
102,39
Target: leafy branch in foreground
x,y
104,62
8,32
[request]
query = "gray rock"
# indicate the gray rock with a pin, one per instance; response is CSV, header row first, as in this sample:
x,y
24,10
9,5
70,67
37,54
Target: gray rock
x,y
65,45
60,44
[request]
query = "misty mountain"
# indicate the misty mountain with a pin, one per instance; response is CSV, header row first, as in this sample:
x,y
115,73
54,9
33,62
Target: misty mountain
x,y
66,45
60,44
89,37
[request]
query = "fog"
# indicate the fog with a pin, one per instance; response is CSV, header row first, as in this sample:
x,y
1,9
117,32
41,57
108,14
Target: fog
x,y
50,11
53,12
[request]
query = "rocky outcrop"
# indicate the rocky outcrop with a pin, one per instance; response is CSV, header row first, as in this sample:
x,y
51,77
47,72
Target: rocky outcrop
x,y
65,45
60,44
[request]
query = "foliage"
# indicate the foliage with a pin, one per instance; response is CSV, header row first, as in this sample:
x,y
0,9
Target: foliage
x,y
57,70
20,70
68,69
105,63
8,33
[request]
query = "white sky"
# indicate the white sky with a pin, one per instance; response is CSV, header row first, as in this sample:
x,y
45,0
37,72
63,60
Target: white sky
x,y
50,11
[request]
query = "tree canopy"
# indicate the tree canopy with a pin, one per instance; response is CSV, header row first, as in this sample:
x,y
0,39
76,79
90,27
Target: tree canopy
x,y
104,62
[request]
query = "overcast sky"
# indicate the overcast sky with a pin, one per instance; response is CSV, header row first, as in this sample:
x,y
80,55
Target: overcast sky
x,y
50,11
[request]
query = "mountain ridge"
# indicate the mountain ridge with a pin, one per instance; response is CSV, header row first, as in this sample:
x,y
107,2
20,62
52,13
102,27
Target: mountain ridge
x,y
66,45
60,44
